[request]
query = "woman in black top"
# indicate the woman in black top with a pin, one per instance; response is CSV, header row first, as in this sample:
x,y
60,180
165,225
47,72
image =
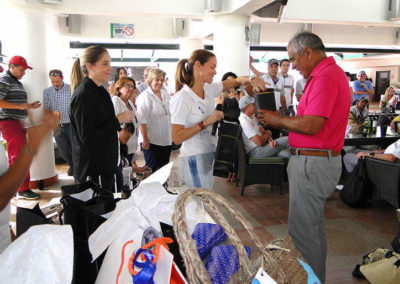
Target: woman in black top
x,y
93,121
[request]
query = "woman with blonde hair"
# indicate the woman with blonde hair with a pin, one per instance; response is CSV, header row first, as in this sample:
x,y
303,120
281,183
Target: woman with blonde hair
x,y
193,114
155,121
93,121
388,99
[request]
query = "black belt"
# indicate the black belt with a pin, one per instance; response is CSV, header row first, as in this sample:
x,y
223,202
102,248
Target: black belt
x,y
64,124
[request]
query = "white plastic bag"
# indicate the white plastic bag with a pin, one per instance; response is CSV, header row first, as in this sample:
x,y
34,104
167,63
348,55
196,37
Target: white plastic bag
x,y
43,254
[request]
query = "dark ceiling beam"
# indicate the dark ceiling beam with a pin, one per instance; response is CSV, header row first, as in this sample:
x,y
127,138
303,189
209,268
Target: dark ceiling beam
x,y
153,46
328,49
144,60
77,44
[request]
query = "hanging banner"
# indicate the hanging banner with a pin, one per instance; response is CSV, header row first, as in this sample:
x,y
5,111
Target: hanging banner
x,y
122,31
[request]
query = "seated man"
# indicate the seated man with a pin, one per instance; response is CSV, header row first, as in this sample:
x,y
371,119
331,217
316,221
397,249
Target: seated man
x,y
391,154
358,115
258,142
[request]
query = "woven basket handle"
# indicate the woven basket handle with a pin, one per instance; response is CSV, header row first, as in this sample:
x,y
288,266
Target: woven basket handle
x,y
196,271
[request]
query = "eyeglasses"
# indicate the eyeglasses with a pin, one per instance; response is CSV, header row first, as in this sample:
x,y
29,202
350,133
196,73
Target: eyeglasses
x,y
56,74
129,86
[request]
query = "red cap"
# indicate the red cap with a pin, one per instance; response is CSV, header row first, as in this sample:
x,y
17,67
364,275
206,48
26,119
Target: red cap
x,y
19,60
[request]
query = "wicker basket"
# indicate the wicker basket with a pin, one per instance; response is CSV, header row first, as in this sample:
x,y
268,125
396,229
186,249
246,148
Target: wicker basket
x,y
281,265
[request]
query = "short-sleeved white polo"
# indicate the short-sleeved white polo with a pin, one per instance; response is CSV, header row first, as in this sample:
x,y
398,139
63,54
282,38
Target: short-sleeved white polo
x,y
250,129
188,109
156,115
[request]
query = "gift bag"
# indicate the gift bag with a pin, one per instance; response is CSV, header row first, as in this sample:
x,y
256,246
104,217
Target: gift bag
x,y
27,218
225,153
75,200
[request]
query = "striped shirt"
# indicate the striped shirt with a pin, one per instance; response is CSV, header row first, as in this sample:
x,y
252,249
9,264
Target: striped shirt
x,y
12,90
58,100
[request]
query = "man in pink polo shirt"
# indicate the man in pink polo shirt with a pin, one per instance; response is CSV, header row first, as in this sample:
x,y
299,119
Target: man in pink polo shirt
x,y
316,138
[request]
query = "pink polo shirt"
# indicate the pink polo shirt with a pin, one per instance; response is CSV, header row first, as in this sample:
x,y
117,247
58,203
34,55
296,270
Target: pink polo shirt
x,y
326,94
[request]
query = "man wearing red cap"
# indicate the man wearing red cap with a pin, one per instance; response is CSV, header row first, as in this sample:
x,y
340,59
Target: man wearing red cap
x,y
13,109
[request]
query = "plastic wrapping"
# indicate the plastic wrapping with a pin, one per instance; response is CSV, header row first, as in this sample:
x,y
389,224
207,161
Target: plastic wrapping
x,y
43,254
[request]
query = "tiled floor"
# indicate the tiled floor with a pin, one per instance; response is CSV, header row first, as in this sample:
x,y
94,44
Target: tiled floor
x,y
351,233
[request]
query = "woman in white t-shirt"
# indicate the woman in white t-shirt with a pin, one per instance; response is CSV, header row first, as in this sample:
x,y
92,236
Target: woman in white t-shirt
x,y
155,121
193,114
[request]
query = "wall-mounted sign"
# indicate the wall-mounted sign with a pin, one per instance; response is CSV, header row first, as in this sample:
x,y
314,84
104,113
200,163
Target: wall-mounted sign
x,y
122,31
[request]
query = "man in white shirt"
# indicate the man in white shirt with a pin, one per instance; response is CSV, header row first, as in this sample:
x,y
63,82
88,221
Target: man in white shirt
x,y
258,142
273,81
288,85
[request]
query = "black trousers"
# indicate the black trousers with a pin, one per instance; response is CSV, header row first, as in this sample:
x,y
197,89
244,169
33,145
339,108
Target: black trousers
x,y
156,156
106,182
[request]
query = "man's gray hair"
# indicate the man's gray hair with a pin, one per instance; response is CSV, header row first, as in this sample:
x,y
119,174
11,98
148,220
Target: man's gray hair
x,y
303,39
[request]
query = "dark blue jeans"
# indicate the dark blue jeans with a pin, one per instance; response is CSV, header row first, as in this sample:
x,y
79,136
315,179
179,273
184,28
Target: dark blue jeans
x,y
156,156
63,139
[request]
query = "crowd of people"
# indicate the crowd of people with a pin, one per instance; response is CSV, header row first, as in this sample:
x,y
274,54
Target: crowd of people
x,y
97,126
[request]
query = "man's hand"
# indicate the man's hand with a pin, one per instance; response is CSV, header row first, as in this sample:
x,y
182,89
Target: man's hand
x,y
35,104
267,117
361,155
272,143
258,84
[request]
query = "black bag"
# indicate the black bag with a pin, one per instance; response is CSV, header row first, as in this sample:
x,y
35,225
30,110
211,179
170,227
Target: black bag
x,y
73,212
27,218
356,191
83,223
226,148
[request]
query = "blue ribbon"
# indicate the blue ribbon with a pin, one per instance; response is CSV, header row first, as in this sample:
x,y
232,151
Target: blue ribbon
x,y
148,268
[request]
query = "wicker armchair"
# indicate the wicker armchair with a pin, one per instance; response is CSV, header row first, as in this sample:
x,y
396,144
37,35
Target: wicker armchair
x,y
384,178
269,170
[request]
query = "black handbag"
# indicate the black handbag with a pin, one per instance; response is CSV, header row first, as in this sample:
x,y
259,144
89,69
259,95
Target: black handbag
x,y
226,148
27,218
356,190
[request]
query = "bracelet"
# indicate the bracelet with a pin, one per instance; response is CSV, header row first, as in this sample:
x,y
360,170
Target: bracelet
x,y
201,125
28,151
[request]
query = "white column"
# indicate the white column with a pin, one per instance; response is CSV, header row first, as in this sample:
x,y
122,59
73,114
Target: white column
x,y
23,32
187,46
230,45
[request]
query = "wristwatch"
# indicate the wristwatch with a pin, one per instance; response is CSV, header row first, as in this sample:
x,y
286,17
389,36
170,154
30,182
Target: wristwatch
x,y
372,154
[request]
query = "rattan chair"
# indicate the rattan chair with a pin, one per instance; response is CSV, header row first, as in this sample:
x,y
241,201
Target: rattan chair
x,y
269,170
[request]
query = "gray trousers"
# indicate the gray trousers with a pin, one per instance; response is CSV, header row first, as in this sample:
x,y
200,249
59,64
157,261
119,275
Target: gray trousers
x,y
281,149
311,181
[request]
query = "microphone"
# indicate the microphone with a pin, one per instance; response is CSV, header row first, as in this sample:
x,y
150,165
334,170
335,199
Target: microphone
x,y
215,125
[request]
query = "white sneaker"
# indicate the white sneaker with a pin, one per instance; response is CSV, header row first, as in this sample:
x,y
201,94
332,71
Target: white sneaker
x,y
339,187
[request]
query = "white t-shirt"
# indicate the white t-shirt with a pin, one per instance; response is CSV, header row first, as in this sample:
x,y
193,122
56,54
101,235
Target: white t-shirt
x,y
156,115
278,88
119,107
5,214
250,129
188,109
288,85
394,149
